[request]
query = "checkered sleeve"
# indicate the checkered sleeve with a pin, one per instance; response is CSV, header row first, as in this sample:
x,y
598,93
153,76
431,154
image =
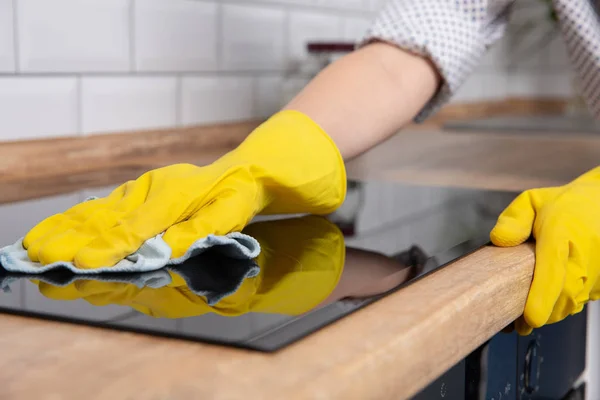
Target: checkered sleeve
x,y
579,22
453,34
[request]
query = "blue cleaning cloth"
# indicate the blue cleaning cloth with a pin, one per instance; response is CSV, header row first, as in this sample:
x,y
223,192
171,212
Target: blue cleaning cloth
x,y
211,274
154,254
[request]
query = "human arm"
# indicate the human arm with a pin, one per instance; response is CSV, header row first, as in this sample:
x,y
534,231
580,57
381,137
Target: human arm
x,y
368,95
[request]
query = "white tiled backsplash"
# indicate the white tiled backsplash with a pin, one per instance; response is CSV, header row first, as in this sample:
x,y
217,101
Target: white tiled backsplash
x,y
71,67
37,107
128,103
185,41
73,35
7,53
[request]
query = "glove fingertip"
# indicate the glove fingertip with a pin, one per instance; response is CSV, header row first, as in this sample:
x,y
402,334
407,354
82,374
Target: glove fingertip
x,y
43,228
508,232
522,328
536,314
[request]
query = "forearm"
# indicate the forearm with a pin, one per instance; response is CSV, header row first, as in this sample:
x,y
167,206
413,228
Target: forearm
x,y
367,96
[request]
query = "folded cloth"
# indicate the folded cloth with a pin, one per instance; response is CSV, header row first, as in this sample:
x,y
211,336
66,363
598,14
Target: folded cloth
x,y
154,254
211,274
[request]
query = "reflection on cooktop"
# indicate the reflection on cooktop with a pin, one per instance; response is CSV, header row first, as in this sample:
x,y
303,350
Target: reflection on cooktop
x,y
311,270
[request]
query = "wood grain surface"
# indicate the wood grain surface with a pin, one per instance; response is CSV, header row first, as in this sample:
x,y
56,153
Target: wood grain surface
x,y
12,190
389,350
53,157
495,161
513,106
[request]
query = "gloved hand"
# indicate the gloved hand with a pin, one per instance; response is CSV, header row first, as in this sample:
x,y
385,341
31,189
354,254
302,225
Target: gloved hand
x,y
565,222
287,165
301,262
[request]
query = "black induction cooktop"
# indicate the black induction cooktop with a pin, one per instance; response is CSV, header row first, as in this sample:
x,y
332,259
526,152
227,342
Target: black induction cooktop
x,y
312,270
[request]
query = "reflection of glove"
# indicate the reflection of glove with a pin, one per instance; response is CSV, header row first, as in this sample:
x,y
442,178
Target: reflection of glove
x,y
565,221
301,262
172,301
287,165
300,265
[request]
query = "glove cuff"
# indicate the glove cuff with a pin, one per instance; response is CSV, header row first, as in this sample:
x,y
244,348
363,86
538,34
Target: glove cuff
x,y
297,164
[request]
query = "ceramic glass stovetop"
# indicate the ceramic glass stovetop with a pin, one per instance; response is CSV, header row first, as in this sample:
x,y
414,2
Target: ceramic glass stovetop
x,y
313,270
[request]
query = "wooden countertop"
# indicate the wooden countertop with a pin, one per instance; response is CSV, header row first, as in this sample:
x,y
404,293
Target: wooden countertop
x,y
389,350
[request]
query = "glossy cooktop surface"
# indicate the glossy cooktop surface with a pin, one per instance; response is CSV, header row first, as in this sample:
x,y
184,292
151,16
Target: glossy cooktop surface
x,y
311,271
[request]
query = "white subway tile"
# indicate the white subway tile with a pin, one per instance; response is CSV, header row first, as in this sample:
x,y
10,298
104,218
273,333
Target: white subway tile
x,y
292,2
355,28
483,85
175,35
73,35
353,4
527,57
253,38
494,86
557,84
468,92
557,57
302,2
7,51
497,56
522,84
37,107
377,5
305,26
208,100
269,95
116,104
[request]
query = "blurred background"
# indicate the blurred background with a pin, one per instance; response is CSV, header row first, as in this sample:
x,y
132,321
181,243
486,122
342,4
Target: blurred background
x,y
79,67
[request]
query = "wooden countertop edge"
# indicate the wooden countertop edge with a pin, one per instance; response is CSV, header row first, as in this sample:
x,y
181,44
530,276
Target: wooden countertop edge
x,y
411,338
389,350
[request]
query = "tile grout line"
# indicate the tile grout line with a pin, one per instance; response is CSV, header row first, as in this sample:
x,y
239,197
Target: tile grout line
x,y
179,101
79,81
132,48
219,35
16,47
255,109
287,19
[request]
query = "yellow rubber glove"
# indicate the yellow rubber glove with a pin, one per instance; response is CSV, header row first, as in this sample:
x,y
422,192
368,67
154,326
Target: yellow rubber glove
x,y
565,222
301,262
286,165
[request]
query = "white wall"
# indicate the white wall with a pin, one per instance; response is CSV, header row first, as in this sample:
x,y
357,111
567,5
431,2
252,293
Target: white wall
x,y
72,67
87,66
